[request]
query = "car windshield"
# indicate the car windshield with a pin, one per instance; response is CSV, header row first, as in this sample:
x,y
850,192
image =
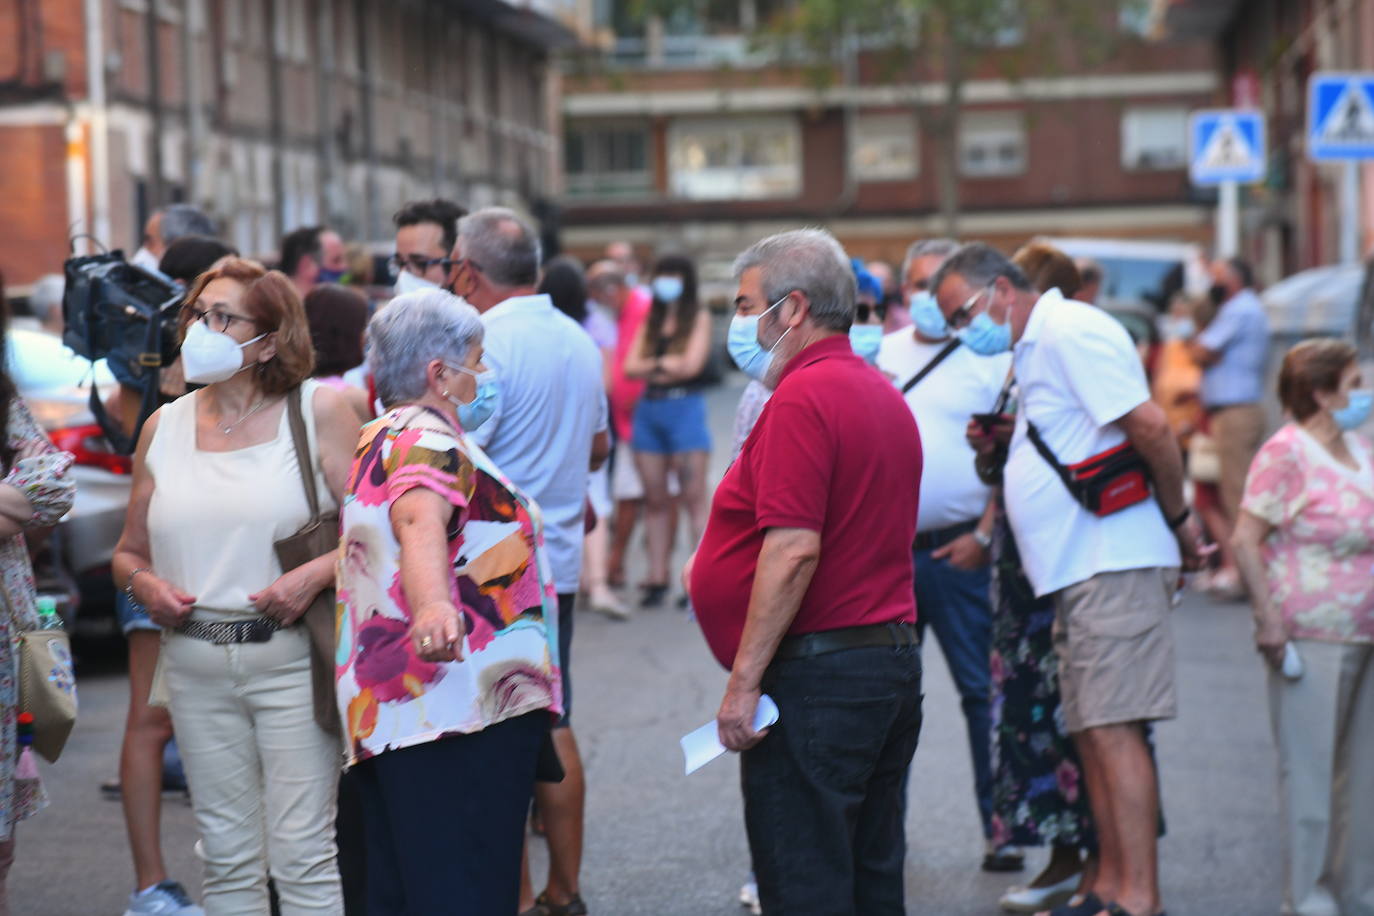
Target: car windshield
x,y
1137,282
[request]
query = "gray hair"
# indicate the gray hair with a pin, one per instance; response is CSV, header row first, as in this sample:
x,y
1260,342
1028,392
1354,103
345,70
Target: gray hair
x,y
924,248
45,302
980,264
809,260
502,244
181,220
413,330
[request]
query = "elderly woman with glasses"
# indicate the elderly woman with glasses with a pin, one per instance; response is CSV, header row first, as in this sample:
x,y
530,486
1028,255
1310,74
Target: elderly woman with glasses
x,y
448,677
216,482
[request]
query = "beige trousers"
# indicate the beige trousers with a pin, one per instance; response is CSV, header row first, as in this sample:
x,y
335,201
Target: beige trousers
x,y
1239,433
1324,728
263,776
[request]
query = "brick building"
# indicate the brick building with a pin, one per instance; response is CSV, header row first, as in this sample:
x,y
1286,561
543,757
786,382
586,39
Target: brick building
x,y
269,114
1266,50
690,135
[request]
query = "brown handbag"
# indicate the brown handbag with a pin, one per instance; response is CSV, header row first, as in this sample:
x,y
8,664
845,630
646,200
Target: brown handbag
x,y
318,536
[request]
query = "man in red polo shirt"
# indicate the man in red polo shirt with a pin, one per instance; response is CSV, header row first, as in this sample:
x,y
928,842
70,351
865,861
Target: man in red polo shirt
x,y
803,588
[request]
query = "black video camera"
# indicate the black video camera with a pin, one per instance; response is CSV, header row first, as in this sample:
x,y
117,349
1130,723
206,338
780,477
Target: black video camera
x,y
128,317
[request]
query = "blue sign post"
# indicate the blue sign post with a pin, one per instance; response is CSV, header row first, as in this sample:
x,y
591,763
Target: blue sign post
x,y
1226,146
1340,128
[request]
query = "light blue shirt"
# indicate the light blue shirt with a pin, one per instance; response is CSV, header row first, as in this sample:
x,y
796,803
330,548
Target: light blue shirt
x,y
1240,334
551,405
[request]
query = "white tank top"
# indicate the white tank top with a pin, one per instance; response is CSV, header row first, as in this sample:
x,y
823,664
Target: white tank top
x,y
213,516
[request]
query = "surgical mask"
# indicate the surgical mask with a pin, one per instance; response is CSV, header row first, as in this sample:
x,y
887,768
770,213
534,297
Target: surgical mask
x,y
926,315
1178,328
407,282
1354,414
985,336
330,276
668,288
866,339
211,356
145,259
742,342
631,280
479,410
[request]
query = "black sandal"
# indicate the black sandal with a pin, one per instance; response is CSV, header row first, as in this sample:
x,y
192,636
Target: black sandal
x,y
1090,905
652,595
1116,909
543,906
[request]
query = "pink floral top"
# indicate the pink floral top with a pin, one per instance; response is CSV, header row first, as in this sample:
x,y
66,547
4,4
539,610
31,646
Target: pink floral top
x,y
1321,553
502,583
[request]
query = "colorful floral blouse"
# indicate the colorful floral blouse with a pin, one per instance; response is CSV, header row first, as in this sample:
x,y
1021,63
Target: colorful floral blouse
x,y
388,697
40,473
1321,554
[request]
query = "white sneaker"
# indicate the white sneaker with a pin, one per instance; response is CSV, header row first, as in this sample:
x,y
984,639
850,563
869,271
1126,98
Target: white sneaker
x,y
166,898
749,897
605,601
1035,899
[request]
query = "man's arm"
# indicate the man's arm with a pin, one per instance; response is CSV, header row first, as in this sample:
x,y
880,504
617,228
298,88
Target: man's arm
x,y
786,564
1147,428
1201,355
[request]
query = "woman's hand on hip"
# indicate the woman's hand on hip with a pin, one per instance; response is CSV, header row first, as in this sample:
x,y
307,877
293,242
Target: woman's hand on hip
x,y
167,605
437,631
286,599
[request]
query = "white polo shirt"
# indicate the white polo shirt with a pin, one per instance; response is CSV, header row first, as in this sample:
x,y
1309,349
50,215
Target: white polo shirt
x,y
962,385
1078,373
551,405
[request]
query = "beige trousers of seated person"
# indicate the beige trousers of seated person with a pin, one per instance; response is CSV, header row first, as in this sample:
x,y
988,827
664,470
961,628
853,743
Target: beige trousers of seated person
x,y
1324,727
263,776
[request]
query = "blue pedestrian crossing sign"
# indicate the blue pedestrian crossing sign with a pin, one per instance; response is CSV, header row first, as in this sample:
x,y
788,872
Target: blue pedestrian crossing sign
x,y
1340,116
1225,145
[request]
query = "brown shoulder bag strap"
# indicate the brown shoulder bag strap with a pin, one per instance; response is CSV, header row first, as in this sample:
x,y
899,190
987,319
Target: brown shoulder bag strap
x,y
296,417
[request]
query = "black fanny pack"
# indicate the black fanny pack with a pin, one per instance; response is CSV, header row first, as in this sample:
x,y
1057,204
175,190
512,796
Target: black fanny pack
x,y
1103,483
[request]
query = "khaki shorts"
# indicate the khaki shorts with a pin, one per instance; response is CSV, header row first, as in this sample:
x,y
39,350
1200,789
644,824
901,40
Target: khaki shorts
x,y
1116,648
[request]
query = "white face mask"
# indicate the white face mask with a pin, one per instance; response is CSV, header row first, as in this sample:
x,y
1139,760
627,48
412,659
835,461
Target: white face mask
x,y
145,259
211,356
407,282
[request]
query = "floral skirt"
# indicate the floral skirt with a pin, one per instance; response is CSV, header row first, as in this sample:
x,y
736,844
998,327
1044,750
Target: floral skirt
x,y
1038,794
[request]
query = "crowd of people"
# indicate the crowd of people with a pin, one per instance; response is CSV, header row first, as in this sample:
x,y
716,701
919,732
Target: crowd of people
x,y
965,447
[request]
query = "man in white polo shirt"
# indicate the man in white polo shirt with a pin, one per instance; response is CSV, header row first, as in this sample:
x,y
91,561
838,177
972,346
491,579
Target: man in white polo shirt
x,y
954,524
1112,576
547,433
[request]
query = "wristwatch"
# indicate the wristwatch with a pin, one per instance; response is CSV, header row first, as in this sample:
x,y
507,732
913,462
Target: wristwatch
x,y
984,540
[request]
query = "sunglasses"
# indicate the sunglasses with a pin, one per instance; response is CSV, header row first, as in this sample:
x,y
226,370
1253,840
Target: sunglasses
x,y
863,311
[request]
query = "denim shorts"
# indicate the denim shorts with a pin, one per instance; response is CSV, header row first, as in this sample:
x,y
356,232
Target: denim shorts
x,y
131,616
671,426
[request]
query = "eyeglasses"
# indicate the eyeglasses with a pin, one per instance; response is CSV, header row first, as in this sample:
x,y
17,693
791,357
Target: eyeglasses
x,y
863,310
961,316
417,264
217,320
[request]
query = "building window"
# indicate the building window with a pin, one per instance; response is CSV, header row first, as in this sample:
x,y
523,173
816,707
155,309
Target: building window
x,y
992,144
735,159
884,147
607,160
1154,138
1133,17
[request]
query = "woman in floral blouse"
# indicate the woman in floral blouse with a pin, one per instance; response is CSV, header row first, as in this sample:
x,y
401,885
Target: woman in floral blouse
x,y
35,492
1305,546
448,677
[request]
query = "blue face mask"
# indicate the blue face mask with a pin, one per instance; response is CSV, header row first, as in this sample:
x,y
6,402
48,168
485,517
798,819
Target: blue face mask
x,y
926,315
743,343
985,336
329,276
479,410
1354,414
866,339
668,288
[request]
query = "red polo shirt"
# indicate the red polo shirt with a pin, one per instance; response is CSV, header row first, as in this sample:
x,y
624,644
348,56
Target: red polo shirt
x,y
835,451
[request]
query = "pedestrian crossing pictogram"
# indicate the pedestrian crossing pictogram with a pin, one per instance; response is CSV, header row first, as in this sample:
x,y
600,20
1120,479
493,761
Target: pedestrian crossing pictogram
x,y
1226,145
1340,116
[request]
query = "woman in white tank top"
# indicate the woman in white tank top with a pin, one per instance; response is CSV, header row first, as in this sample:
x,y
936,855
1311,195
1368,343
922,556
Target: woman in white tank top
x,y
216,483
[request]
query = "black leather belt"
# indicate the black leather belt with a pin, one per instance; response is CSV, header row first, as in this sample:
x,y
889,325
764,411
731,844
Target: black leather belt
x,y
806,645
227,632
931,540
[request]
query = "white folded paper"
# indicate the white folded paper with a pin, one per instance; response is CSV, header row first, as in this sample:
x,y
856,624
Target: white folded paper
x,y
702,745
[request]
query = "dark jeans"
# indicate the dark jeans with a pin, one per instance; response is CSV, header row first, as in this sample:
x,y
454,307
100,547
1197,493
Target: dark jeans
x,y
956,604
822,792
446,821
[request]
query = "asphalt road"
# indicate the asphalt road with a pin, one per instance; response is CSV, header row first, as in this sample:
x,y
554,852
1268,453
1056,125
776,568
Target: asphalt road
x,y
664,844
